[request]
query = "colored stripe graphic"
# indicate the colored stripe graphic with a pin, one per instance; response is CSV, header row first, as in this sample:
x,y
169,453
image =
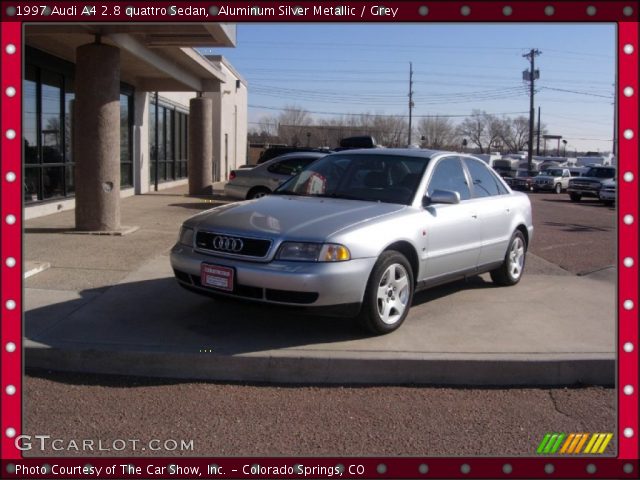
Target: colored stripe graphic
x,y
543,443
573,443
550,443
582,442
605,443
593,439
555,448
567,442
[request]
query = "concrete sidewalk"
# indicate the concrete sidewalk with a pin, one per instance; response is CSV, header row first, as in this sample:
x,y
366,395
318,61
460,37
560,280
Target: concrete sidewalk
x,y
111,305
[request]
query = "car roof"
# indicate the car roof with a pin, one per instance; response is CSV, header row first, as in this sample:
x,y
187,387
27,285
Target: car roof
x,y
285,156
405,152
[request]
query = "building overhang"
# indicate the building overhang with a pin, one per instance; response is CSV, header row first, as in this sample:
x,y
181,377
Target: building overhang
x,y
153,57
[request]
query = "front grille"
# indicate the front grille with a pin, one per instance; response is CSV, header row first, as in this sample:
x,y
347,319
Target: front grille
x,y
232,244
584,185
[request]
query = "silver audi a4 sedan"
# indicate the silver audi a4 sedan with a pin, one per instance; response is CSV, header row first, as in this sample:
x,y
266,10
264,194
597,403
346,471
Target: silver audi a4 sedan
x,y
357,232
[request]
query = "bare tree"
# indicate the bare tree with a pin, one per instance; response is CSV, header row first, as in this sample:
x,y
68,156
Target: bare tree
x,y
291,123
482,129
438,133
474,129
515,133
495,128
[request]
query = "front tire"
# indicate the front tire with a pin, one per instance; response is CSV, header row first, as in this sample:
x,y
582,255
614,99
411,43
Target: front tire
x,y
389,294
575,197
512,268
558,188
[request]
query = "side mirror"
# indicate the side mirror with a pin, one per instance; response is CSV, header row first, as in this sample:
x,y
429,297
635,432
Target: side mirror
x,y
441,196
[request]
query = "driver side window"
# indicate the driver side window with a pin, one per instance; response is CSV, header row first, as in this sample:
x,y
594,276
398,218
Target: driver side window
x,y
449,175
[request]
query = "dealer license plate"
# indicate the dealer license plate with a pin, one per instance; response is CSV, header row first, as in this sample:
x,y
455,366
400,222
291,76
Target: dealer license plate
x,y
217,276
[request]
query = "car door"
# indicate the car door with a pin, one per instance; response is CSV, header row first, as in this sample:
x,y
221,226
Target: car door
x,y
451,233
495,215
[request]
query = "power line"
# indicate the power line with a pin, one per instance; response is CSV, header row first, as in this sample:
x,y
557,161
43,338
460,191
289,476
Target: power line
x,y
383,115
579,93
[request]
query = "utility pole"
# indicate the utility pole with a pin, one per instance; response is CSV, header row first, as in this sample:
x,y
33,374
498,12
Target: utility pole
x,y
532,75
614,146
410,99
538,137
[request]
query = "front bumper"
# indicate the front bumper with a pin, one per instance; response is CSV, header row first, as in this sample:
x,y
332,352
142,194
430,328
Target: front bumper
x,y
584,191
607,195
544,186
280,282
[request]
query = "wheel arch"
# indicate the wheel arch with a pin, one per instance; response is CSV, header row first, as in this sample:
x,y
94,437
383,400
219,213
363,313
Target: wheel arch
x,y
256,189
525,233
408,250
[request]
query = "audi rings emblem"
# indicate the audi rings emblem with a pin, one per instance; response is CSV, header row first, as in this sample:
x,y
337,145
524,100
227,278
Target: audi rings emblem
x,y
227,244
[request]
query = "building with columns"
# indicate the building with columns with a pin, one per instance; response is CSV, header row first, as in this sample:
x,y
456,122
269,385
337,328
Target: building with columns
x,y
116,110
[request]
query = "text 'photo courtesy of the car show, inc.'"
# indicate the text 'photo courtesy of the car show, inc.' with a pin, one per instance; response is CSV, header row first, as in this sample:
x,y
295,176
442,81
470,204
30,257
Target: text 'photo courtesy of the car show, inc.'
x,y
319,239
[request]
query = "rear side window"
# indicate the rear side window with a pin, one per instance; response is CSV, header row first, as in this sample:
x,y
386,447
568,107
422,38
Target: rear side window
x,y
290,166
449,175
485,183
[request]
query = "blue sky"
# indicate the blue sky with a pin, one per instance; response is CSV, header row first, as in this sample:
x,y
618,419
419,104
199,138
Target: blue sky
x,y
364,68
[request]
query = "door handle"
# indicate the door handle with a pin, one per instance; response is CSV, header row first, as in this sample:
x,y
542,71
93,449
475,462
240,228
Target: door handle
x,y
474,216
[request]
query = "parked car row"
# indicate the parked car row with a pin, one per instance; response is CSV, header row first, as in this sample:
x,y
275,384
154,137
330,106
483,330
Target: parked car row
x,y
596,181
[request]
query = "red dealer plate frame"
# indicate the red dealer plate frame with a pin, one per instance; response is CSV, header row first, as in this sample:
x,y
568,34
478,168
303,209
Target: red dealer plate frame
x,y
217,277
625,465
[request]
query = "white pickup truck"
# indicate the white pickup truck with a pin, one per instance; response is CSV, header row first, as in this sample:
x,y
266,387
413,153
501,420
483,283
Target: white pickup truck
x,y
554,179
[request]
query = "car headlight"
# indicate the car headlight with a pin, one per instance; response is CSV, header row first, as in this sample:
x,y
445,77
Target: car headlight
x,y
186,236
313,252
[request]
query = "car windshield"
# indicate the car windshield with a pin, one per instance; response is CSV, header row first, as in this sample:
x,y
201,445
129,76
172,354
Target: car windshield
x,y
552,172
524,173
601,172
373,178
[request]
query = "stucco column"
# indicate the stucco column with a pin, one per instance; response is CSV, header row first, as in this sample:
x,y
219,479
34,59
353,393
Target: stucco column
x,y
97,137
200,161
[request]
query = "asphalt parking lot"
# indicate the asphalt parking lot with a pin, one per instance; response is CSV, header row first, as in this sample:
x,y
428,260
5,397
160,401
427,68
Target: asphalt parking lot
x,y
579,237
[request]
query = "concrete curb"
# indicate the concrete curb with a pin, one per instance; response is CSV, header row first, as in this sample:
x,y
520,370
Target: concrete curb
x,y
451,370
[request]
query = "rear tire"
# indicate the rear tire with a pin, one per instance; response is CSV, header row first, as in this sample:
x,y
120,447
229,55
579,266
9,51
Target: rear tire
x,y
575,197
389,294
512,268
257,192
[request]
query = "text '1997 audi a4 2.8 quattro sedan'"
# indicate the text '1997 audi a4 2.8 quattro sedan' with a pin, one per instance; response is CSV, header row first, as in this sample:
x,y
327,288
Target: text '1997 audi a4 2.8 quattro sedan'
x,y
356,233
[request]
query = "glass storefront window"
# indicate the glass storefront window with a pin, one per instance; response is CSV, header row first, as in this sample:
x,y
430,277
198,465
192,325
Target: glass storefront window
x,y
30,114
51,127
48,105
167,150
126,160
52,182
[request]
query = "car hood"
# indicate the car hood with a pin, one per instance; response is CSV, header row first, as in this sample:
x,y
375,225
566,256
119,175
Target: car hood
x,y
290,216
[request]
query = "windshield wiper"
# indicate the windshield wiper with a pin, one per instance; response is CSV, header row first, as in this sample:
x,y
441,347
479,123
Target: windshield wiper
x,y
345,196
287,192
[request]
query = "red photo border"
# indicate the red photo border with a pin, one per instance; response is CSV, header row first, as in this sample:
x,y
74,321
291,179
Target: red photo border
x,y
625,465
